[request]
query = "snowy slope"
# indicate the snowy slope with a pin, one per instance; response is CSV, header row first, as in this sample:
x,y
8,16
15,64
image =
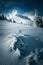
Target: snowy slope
x,y
8,31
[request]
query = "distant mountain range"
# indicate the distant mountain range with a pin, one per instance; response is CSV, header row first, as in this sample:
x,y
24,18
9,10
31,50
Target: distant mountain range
x,y
25,17
38,21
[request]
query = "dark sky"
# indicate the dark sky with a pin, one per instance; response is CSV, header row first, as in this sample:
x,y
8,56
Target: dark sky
x,y
24,5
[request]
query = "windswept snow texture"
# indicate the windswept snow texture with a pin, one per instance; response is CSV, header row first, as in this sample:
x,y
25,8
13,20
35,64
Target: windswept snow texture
x,y
30,37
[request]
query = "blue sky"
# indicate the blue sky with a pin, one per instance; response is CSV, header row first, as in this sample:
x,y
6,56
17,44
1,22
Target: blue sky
x,y
22,5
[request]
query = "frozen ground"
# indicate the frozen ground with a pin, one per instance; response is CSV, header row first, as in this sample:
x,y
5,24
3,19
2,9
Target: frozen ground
x,y
7,31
